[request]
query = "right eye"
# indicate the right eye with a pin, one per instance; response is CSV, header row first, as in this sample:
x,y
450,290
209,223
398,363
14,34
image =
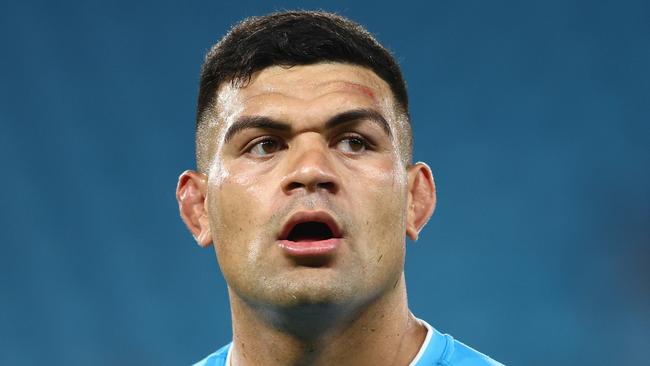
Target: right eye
x,y
265,147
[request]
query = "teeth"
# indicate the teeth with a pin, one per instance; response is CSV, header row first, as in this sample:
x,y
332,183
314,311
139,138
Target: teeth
x,y
310,231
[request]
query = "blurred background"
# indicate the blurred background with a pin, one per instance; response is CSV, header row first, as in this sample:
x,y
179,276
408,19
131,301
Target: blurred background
x,y
534,117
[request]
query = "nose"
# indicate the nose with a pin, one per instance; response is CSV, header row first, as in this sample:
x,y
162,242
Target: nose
x,y
310,169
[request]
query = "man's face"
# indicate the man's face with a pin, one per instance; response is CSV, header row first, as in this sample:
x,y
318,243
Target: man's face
x,y
307,191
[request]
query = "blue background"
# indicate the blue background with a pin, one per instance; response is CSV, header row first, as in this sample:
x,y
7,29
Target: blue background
x,y
534,117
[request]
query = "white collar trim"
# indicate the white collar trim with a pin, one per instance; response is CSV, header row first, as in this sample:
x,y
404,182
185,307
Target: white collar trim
x,y
425,344
227,363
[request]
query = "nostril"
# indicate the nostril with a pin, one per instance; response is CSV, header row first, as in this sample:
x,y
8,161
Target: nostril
x,y
329,186
294,185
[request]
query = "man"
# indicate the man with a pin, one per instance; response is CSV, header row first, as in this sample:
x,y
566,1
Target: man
x,y
306,190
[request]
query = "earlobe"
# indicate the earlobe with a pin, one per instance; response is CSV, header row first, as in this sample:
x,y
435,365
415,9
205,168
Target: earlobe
x,y
190,194
422,198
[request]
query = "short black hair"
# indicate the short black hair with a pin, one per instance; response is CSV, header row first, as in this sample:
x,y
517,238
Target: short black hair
x,y
293,38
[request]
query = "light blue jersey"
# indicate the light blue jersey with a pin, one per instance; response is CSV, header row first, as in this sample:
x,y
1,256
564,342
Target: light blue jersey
x,y
437,350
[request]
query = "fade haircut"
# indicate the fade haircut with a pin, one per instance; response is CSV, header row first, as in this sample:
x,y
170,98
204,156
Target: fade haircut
x,y
288,39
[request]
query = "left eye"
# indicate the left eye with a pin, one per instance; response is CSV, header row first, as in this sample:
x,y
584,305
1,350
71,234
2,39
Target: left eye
x,y
352,145
265,147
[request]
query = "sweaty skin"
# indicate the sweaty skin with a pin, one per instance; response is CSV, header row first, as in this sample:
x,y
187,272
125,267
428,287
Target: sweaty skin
x,y
346,308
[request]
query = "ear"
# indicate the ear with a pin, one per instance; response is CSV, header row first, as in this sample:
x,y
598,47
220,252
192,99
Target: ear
x,y
190,194
421,198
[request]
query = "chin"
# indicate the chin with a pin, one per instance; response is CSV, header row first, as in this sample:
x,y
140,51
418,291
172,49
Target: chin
x,y
312,289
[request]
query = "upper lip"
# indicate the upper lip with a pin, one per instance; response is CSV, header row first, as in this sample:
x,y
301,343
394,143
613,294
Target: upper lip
x,y
310,216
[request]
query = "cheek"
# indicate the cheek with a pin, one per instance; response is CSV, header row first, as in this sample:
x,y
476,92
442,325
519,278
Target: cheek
x,y
380,197
236,211
385,180
236,195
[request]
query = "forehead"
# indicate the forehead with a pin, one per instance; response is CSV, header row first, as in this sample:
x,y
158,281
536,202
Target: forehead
x,y
306,89
304,96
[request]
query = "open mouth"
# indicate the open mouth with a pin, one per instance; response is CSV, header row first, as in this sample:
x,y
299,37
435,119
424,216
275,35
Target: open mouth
x,y
310,227
311,238
310,231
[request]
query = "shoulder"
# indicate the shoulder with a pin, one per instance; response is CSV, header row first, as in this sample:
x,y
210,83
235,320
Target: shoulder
x,y
461,354
443,350
218,358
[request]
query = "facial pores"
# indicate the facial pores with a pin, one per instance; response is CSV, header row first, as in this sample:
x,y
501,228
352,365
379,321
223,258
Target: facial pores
x,y
234,226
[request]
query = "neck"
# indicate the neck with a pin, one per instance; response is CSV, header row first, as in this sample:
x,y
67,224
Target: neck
x,y
381,332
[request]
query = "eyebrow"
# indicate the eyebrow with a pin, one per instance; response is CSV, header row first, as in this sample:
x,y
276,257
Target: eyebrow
x,y
360,114
248,122
267,123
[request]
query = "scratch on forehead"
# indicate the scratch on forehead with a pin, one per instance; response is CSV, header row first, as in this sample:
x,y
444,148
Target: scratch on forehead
x,y
360,88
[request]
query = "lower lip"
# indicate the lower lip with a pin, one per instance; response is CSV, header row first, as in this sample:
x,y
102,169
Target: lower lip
x,y
310,248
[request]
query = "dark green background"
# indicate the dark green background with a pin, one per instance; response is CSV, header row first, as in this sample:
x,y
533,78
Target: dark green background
x,y
534,116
